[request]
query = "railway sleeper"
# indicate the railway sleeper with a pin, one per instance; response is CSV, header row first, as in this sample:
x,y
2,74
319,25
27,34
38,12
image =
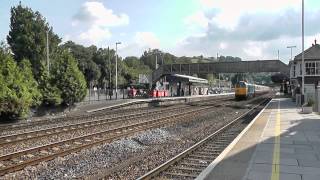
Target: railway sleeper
x,y
172,175
183,169
193,164
201,156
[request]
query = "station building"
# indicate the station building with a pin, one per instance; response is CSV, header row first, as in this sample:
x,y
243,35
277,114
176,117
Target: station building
x,y
312,71
184,85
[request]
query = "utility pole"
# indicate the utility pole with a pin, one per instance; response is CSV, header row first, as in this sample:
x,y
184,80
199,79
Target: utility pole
x,y
302,60
156,61
162,60
117,69
291,47
48,61
219,82
109,73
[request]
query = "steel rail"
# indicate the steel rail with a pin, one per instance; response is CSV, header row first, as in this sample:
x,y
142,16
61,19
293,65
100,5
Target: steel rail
x,y
95,139
163,167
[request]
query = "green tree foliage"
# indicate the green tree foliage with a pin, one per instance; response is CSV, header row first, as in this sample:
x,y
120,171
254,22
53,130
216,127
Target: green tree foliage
x,y
228,59
279,78
51,94
98,65
27,78
18,90
135,67
68,78
84,57
27,36
102,57
239,77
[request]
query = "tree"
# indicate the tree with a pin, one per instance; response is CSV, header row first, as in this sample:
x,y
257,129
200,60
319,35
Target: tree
x,y
84,57
134,67
68,78
27,78
18,90
51,94
27,37
279,78
238,77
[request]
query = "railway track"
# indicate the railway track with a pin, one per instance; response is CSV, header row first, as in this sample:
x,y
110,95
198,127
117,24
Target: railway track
x,y
18,160
191,162
91,116
22,137
27,124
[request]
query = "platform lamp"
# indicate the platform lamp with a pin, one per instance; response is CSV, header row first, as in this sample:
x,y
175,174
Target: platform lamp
x,y
291,47
117,69
302,59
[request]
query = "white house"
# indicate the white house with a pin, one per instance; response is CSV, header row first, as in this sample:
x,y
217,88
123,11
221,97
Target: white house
x,y
312,71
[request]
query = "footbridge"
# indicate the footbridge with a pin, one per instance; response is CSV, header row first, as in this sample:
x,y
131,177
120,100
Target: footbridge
x,y
258,66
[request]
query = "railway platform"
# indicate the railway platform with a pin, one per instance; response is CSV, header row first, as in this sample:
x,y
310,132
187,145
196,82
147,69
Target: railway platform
x,y
280,143
132,102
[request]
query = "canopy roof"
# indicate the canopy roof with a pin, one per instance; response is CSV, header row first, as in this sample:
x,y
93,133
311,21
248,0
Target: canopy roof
x,y
191,78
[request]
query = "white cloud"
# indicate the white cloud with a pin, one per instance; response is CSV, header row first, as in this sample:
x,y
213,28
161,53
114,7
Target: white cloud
x,y
95,34
253,32
141,42
94,21
223,45
95,13
147,39
253,49
198,19
229,11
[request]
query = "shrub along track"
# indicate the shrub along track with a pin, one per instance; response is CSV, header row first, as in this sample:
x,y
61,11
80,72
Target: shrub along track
x,y
18,160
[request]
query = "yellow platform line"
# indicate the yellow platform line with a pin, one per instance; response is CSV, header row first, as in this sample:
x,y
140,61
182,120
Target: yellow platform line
x,y
276,150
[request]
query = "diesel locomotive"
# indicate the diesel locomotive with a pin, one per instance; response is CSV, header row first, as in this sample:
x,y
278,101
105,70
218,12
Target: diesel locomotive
x,y
244,90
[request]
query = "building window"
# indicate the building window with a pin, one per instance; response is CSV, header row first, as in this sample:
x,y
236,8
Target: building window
x,y
294,70
300,69
317,68
310,68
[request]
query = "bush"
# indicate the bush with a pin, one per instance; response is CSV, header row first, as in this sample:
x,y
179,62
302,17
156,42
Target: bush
x,y
51,94
310,102
18,90
68,78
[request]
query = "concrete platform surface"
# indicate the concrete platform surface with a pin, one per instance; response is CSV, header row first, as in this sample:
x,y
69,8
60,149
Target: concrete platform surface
x,y
282,144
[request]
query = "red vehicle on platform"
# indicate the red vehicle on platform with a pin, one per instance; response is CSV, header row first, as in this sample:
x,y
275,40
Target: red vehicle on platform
x,y
158,93
132,92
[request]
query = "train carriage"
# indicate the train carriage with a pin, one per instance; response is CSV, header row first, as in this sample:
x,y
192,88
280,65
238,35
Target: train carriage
x,y
244,90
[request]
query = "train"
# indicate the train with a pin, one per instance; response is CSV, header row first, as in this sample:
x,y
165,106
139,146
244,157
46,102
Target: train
x,y
244,90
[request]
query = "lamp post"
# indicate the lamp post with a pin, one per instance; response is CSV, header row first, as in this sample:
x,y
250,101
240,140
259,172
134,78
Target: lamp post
x,y
156,61
117,68
291,47
47,47
302,59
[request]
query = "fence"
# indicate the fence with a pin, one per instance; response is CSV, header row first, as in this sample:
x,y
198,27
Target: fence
x,y
105,94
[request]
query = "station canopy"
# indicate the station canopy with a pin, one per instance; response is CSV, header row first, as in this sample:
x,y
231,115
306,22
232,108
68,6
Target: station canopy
x,y
187,78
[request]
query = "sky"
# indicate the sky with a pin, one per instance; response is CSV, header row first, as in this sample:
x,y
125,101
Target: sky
x,y
250,29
